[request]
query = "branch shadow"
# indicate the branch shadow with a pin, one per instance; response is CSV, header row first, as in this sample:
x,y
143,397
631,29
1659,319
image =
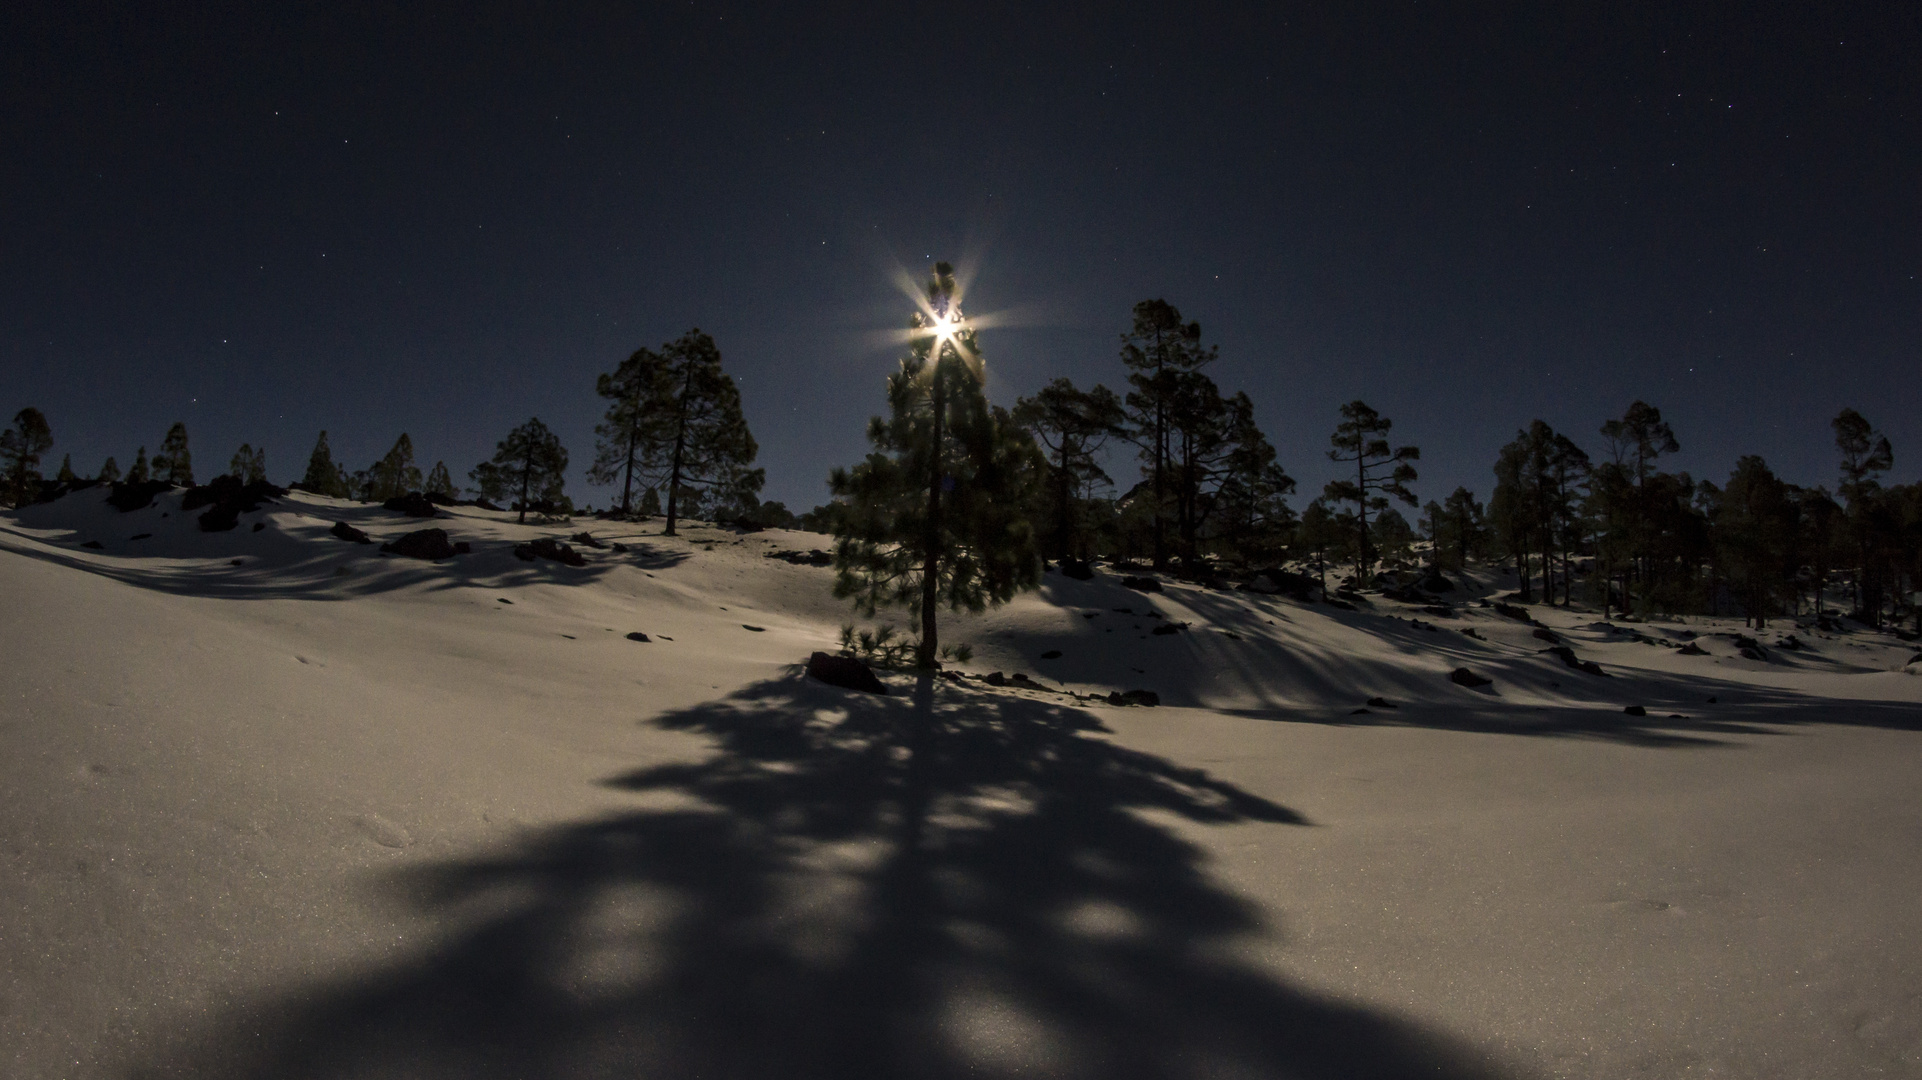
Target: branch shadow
x,y
946,884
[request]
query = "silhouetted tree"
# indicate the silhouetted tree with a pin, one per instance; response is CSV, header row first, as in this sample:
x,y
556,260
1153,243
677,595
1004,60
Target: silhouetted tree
x,y
935,514
1464,526
650,503
141,471
1626,506
1250,505
1391,536
1866,455
1322,534
1158,350
635,422
439,482
1379,472
1071,425
324,476
529,465
1755,529
676,416
20,448
249,464
175,463
109,471
66,475
395,474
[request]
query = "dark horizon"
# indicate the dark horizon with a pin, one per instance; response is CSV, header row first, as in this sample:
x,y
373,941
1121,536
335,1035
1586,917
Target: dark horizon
x,y
443,222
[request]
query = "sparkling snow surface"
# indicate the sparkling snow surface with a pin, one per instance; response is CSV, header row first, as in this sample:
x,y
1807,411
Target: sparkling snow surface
x,y
325,813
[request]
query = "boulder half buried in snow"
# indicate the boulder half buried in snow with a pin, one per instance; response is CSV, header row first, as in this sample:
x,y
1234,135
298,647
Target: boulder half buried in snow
x,y
422,544
1461,676
549,548
845,672
347,532
413,504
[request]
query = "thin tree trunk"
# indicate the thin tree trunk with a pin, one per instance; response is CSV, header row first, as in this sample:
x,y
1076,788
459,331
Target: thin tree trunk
x,y
680,445
527,478
627,480
931,565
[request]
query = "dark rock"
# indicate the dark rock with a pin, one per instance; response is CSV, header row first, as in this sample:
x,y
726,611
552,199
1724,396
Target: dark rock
x,y
1790,643
422,544
1051,654
1334,603
1124,611
756,629
1549,636
1461,676
228,499
1754,654
1692,649
484,505
259,525
1568,657
995,678
1382,703
462,547
1440,611
1147,698
1916,659
1022,678
502,600
1635,710
587,539
1514,612
1711,701
638,636
94,544
1470,631
1141,584
1076,569
413,504
549,548
440,498
139,536
347,532
1436,583
130,497
845,672
814,557
1743,641
1167,628
1284,582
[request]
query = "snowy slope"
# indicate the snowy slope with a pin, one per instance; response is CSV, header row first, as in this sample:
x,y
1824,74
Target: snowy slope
x,y
279,805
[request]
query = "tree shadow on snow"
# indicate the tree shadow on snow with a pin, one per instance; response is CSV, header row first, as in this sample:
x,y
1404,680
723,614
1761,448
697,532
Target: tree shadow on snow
x,y
946,884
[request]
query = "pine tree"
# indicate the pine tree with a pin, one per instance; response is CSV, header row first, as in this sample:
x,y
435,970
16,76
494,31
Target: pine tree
x,y
109,471
175,463
439,482
635,424
1158,350
395,474
1253,516
141,471
935,514
249,465
705,442
1628,507
323,476
1866,454
528,466
1322,534
1379,472
650,503
1465,526
1071,424
66,474
1756,523
20,448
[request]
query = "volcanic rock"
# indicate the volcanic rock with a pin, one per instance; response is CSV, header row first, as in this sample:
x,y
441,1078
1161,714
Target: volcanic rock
x,y
1461,676
413,504
422,544
845,672
348,532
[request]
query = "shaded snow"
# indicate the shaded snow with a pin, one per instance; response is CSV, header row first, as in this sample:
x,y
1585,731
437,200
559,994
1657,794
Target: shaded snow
x,y
328,813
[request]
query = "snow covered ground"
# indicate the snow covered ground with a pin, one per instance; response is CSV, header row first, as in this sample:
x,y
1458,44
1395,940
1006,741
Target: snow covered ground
x,y
277,805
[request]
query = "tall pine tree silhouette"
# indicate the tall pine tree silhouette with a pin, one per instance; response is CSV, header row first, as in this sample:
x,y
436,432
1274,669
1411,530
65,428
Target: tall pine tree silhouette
x,y
175,463
935,515
439,482
109,471
395,474
1360,441
1072,424
1158,350
324,476
528,467
20,448
634,424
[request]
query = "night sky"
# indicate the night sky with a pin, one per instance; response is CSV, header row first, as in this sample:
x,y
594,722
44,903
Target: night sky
x,y
270,219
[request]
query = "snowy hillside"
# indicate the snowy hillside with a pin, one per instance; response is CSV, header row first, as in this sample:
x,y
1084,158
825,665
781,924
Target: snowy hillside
x,y
280,804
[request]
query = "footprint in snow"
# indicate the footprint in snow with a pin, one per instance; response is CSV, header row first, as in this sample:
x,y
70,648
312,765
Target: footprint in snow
x,y
382,831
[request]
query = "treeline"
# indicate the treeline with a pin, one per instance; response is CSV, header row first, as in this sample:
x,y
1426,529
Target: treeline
x,y
1207,496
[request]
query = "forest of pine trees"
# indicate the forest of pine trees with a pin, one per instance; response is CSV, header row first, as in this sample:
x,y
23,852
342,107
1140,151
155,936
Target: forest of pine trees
x,y
960,500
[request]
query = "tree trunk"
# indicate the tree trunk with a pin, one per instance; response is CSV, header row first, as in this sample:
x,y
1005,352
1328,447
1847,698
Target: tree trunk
x,y
931,564
527,479
680,445
627,480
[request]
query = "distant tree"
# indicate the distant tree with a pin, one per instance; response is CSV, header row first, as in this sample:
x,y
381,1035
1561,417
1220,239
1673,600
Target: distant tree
x,y
1511,507
529,465
1359,440
1433,530
773,515
650,503
935,514
66,475
1755,523
324,476
109,471
1626,506
1866,455
1158,350
1391,536
141,471
821,519
439,482
395,474
1071,425
1321,534
20,448
635,422
249,464
1464,528
1249,502
175,463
